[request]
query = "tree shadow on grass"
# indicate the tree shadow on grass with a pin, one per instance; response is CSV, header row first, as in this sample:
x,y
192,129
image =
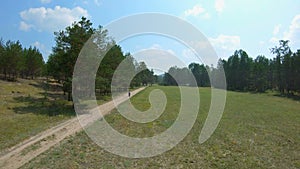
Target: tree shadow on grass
x,y
54,95
44,106
289,96
53,91
50,86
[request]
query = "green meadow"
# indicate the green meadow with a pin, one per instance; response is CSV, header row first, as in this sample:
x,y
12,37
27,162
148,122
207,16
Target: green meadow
x,y
28,107
256,131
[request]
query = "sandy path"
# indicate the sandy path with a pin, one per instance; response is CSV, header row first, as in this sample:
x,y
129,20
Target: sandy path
x,y
22,153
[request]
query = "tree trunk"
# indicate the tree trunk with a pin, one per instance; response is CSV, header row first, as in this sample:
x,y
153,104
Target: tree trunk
x,y
69,96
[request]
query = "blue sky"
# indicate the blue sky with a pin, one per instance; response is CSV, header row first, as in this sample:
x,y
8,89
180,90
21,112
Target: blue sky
x,y
252,25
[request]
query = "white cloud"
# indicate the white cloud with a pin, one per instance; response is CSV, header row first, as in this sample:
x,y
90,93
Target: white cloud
x,y
219,5
200,51
225,45
158,58
226,42
188,54
262,43
157,46
274,40
42,48
24,26
276,29
293,33
38,45
45,1
196,11
97,2
48,19
206,16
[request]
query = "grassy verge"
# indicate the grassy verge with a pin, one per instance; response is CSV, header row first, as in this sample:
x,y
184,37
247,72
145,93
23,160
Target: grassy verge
x,y
26,110
256,131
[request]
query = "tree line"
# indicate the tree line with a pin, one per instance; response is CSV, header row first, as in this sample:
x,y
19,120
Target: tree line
x,y
244,73
69,43
260,74
194,75
16,61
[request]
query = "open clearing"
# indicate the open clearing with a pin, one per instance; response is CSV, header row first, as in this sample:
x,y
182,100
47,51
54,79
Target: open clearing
x,y
25,151
256,131
25,111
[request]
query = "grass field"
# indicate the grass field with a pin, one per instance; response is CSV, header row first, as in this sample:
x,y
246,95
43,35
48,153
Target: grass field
x,y
25,110
28,107
256,131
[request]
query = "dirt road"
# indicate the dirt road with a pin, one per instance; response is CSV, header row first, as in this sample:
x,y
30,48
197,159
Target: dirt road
x,y
22,153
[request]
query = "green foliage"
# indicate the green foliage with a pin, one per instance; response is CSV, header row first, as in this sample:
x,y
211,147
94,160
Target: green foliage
x,y
246,74
179,76
260,72
296,71
237,69
144,76
11,56
17,61
106,70
282,65
200,73
31,63
70,42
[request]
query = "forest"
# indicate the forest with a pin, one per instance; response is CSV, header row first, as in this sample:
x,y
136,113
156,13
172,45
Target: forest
x,y
243,73
17,62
